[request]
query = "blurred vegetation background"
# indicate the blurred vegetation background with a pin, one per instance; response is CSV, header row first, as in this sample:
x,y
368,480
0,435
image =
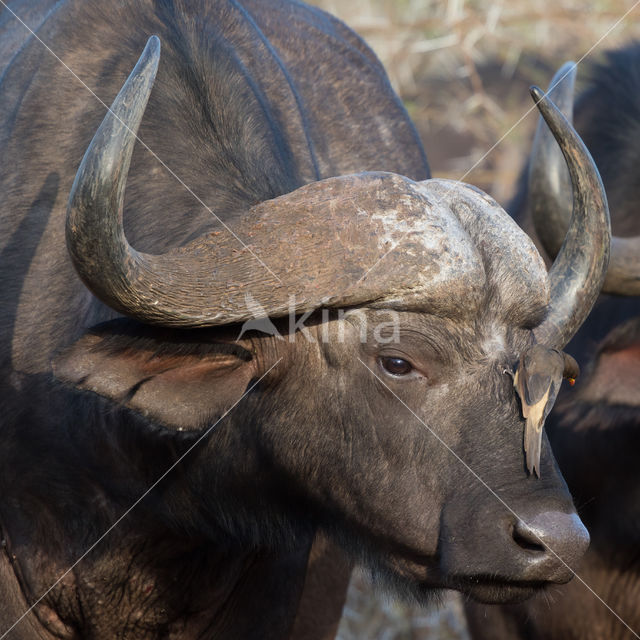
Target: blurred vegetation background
x,y
463,69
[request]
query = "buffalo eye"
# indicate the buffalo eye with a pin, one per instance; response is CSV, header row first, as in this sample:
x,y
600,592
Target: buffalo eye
x,y
396,366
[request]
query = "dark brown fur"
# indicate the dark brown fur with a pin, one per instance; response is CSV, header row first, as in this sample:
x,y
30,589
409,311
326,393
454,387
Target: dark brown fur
x,y
251,101
232,114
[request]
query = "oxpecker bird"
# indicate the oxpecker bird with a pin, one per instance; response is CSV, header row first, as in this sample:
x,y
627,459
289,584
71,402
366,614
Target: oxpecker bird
x,y
537,381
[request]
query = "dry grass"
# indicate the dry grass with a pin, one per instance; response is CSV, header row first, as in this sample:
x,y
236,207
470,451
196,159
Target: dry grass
x,y
463,68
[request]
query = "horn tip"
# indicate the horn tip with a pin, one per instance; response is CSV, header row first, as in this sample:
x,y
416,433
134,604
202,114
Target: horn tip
x,y
536,93
153,44
569,66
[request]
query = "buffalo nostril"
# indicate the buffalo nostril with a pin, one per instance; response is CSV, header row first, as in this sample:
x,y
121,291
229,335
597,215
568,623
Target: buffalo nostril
x,y
551,543
526,538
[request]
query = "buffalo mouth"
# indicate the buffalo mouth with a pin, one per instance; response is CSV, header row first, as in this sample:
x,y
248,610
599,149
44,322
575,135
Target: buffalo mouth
x,y
492,590
423,577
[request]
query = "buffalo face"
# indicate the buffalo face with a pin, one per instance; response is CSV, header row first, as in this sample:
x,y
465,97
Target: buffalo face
x,y
398,433
391,421
412,455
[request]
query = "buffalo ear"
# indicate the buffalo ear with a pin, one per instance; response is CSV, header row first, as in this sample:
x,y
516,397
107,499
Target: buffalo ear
x,y
179,378
614,376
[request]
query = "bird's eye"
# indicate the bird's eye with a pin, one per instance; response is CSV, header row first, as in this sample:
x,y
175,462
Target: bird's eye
x,y
396,366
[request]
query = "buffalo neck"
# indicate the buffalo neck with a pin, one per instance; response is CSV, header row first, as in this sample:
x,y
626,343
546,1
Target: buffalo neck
x,y
150,575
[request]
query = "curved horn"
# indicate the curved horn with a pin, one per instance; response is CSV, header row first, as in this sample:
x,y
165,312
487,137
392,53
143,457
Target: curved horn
x,y
325,236
550,195
142,286
550,199
579,269
95,237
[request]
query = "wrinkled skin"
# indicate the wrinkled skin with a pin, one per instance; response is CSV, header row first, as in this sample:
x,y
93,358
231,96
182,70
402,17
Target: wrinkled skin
x,y
319,444
594,429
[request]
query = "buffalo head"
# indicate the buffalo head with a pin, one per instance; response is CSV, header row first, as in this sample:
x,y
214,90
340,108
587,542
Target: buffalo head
x,y
390,419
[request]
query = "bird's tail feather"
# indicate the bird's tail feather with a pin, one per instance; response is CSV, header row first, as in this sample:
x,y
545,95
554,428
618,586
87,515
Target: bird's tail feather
x,y
532,443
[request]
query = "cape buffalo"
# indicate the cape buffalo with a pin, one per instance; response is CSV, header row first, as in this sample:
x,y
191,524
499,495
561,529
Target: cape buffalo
x,y
162,477
595,432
